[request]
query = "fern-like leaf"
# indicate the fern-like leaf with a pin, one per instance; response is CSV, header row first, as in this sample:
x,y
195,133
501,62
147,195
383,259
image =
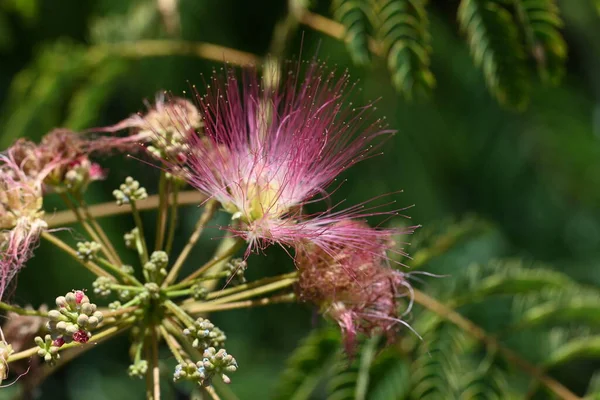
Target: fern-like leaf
x,y
308,365
579,347
540,21
351,382
402,26
390,376
353,14
496,47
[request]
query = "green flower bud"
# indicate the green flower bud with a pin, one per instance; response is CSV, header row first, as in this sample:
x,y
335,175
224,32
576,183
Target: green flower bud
x,y
88,251
129,191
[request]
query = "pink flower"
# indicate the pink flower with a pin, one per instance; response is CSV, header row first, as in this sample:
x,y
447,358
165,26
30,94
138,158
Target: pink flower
x,y
81,336
21,216
163,129
353,285
266,153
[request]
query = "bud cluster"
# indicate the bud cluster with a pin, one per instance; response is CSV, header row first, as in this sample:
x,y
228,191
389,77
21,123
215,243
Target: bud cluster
x,y
129,191
131,238
214,363
156,266
48,349
102,286
204,334
138,369
73,319
236,269
87,251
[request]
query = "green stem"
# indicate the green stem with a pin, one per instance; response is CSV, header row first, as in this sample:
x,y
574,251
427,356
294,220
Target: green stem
x,y
161,218
93,235
140,226
211,392
22,311
97,338
92,267
155,367
100,230
252,285
178,293
173,217
271,287
179,313
201,308
23,354
130,288
172,345
220,259
204,278
126,277
209,210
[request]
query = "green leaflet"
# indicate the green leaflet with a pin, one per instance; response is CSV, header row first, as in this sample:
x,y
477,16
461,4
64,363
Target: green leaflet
x,y
353,15
403,28
495,45
540,22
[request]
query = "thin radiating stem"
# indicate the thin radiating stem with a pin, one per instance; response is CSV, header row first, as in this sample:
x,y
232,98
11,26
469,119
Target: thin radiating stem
x,y
219,259
173,218
92,267
88,228
162,48
110,208
209,210
155,367
117,271
161,218
172,345
100,230
270,287
179,313
200,308
97,338
138,223
22,311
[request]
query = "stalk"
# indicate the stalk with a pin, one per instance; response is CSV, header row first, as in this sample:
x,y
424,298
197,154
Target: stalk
x,y
209,210
92,267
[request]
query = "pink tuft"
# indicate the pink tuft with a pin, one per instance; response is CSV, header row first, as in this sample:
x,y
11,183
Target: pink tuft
x,y
352,285
81,336
79,296
267,153
58,342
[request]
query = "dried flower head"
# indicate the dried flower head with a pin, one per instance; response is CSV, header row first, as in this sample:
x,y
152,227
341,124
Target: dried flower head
x,y
353,285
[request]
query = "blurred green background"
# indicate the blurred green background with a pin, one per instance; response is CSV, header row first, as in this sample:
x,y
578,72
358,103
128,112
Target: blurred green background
x,y
533,175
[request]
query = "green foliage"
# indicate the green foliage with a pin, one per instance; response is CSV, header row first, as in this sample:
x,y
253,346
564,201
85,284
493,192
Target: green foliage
x,y
353,15
452,361
307,365
402,26
499,32
540,21
495,45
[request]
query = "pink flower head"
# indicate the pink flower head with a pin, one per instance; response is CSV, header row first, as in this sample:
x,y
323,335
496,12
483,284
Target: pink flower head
x,y
354,286
163,128
62,158
267,152
21,216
